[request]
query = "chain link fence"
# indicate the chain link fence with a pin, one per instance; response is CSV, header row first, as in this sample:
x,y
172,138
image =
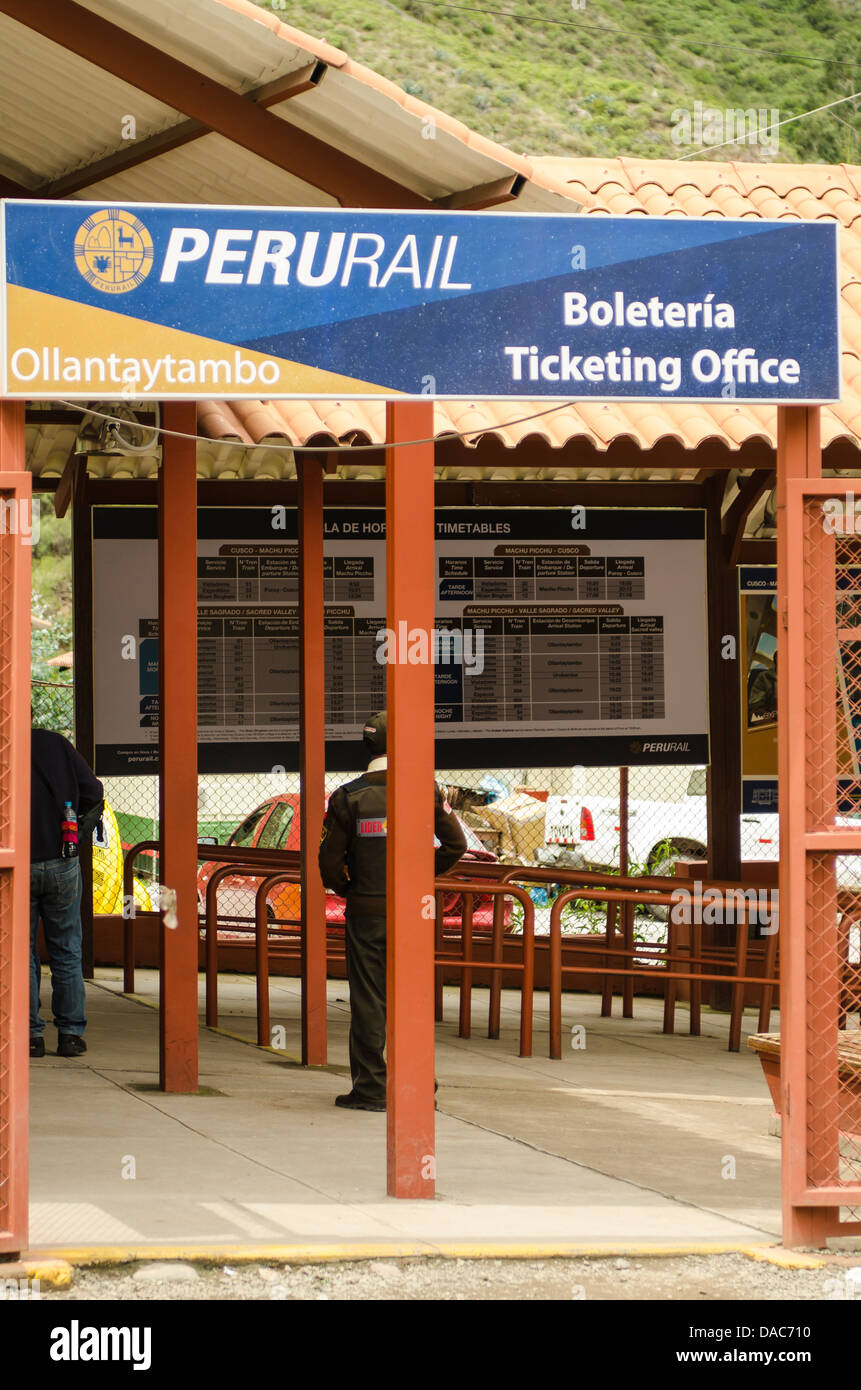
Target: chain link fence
x,y
833,886
527,816
572,817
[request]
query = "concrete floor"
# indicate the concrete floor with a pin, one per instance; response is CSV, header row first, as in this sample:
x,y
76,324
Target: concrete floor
x,y
635,1137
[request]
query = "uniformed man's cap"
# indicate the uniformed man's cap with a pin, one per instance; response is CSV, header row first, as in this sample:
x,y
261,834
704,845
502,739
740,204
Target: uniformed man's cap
x,y
374,734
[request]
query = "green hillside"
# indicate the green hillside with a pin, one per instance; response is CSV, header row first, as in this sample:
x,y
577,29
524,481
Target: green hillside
x,y
604,77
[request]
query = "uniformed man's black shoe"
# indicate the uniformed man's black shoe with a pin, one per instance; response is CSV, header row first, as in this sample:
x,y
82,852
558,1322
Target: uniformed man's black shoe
x,y
70,1045
353,1102
37,1045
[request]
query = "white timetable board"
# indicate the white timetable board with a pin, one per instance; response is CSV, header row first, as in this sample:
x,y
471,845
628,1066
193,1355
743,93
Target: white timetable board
x,y
560,638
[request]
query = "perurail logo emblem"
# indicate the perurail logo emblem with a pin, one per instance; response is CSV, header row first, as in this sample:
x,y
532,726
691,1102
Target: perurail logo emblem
x,y
113,250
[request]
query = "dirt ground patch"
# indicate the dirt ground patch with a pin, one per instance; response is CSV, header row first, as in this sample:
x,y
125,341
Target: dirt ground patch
x,y
694,1277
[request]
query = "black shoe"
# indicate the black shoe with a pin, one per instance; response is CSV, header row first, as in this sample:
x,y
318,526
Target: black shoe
x,y
353,1102
37,1045
70,1045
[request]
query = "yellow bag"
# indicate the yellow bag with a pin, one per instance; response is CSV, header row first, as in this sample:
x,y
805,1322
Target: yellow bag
x,y
108,871
108,866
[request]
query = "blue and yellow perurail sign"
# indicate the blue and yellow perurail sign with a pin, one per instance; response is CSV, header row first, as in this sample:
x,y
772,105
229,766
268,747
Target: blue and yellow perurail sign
x,y
238,302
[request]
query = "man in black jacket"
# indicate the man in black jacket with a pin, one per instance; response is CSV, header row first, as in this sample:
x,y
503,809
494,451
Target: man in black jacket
x,y
59,777
352,862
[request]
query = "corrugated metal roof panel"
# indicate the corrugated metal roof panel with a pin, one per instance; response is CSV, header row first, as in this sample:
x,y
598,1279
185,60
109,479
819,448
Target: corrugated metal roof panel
x,y
60,113
209,170
240,45
352,113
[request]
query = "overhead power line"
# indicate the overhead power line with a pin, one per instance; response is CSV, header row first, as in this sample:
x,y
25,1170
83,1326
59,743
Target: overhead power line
x,y
349,449
707,149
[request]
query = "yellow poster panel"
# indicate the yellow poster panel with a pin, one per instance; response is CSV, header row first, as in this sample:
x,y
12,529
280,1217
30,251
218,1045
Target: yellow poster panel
x,y
758,674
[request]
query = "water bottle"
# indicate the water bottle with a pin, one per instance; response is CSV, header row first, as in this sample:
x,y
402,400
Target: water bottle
x,y
70,832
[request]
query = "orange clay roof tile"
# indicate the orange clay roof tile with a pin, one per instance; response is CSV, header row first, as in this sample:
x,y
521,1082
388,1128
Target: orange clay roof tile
x,y
732,203
656,201
618,200
852,376
580,192
341,418
850,257
739,423
767,202
258,418
695,203
851,324
802,201
216,419
842,204
851,338
673,174
301,419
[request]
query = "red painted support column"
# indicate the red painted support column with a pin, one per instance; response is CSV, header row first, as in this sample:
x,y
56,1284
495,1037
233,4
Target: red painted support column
x,y
312,756
177,684
16,531
410,703
798,456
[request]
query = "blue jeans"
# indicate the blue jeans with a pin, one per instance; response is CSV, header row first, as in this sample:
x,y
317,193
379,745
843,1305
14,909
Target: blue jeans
x,y
55,896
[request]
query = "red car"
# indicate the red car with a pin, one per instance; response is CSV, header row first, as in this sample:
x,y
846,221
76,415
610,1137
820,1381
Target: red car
x,y
275,825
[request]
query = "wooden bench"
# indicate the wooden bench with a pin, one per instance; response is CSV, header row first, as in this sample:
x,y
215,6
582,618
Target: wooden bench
x,y
767,1048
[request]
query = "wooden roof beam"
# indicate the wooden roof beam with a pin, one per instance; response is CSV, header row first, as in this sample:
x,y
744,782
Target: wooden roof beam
x,y
175,84
750,490
68,479
138,152
10,189
485,195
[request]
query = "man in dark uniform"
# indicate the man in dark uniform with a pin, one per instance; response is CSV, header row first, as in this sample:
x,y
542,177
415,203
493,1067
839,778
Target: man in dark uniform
x,y
353,864
59,778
